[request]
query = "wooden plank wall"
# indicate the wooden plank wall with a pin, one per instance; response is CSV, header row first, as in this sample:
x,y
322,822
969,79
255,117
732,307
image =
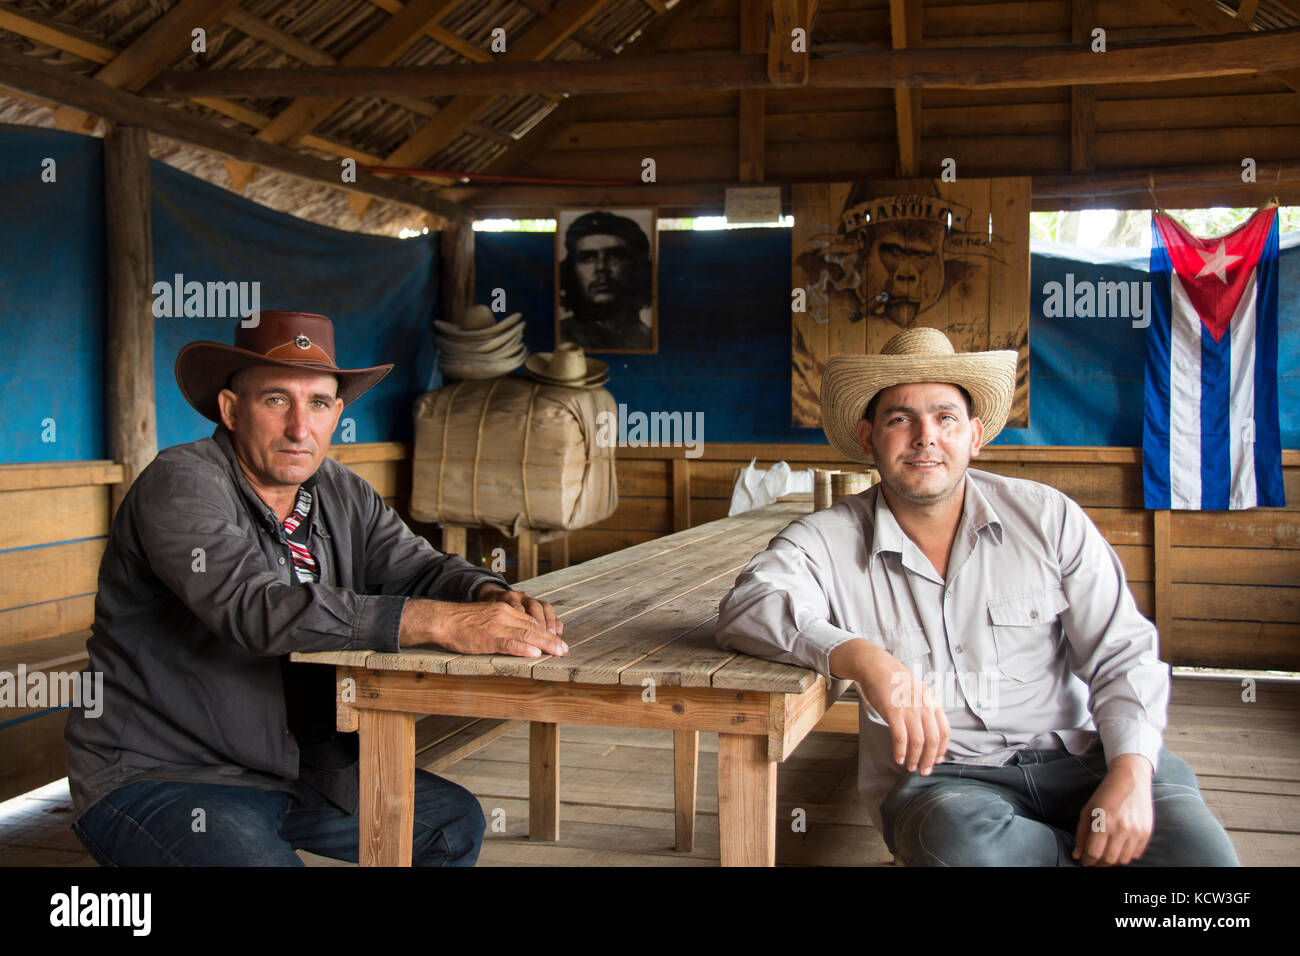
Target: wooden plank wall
x,y
850,134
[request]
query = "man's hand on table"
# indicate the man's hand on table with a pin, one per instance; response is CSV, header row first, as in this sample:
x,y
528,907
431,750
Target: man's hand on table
x,y
498,621
917,724
1123,811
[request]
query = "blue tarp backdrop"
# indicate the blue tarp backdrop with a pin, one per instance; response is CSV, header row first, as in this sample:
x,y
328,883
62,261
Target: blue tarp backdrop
x,y
724,335
381,294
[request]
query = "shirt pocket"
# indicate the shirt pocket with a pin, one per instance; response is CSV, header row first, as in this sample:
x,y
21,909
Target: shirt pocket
x,y
904,643
1025,631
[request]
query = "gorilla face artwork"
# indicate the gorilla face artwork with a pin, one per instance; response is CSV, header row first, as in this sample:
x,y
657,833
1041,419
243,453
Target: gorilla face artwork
x,y
905,272
870,259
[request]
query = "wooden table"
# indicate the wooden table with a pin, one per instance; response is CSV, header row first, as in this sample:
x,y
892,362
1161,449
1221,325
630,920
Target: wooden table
x,y
639,625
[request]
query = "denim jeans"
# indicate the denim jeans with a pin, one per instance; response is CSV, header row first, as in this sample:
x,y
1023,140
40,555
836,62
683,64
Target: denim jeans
x,y
154,823
1026,812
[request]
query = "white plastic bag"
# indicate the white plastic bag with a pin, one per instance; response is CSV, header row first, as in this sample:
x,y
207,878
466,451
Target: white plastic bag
x,y
756,487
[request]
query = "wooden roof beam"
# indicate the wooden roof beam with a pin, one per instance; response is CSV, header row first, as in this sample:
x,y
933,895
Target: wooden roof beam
x,y
165,39
55,34
61,37
786,65
440,35
656,33
1207,15
751,140
1272,51
905,32
27,74
379,49
1083,98
536,44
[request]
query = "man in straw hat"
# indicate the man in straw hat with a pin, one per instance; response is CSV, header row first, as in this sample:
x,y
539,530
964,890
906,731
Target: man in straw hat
x,y
1013,703
226,555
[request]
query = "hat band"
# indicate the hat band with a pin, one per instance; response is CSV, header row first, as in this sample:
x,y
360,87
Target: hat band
x,y
292,352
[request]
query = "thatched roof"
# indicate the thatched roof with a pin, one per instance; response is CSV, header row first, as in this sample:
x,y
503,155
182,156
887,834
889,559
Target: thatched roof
x,y
271,34
467,108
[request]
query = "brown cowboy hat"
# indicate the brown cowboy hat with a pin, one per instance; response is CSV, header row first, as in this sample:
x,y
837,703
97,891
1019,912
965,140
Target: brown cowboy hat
x,y
281,339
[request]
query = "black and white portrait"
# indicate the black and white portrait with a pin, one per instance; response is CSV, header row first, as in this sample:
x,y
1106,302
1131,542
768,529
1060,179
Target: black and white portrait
x,y
605,271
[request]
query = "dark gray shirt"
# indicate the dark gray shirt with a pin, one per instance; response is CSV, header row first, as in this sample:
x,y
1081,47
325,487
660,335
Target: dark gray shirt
x,y
197,607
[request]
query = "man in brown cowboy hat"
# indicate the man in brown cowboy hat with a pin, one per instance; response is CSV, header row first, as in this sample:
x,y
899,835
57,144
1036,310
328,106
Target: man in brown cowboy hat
x,y
229,553
1012,700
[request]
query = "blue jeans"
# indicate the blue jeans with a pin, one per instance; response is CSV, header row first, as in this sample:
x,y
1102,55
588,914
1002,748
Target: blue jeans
x,y
1026,813
154,823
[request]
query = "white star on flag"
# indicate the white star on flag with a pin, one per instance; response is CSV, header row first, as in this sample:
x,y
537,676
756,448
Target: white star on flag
x,y
1216,262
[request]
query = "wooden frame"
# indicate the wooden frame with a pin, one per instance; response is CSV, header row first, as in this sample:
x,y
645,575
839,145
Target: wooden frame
x,y
756,731
600,237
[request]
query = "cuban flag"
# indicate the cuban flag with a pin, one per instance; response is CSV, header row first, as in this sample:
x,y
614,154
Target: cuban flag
x,y
1210,437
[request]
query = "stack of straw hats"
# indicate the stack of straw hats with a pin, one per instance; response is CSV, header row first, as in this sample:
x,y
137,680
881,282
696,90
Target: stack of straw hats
x,y
475,346
567,366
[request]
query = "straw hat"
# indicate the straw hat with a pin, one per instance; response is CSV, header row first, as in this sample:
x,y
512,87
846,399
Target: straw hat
x,y
475,323
281,339
849,382
567,365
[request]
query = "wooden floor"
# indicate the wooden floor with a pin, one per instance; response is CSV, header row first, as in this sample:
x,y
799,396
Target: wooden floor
x,y
616,787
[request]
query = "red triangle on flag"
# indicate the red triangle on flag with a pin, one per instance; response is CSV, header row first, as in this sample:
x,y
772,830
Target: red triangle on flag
x,y
1214,272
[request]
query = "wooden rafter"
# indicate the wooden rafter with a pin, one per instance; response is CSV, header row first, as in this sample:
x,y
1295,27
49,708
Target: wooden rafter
x,y
787,66
905,33
1275,52
379,49
1083,98
536,44
655,34
753,103
1246,12
1209,17
166,38
64,38
27,74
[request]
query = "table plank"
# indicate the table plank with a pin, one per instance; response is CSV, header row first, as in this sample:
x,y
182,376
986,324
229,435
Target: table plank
x,y
604,618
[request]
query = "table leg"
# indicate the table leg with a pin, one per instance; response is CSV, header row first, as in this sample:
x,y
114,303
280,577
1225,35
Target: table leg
x,y
454,539
387,799
527,554
746,801
543,781
686,765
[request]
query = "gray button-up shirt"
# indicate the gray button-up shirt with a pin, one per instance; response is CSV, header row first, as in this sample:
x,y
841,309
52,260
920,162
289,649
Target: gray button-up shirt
x,y
198,606
1034,639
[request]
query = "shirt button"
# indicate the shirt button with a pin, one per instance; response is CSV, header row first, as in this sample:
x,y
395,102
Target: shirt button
x,y
1033,615
959,649
282,560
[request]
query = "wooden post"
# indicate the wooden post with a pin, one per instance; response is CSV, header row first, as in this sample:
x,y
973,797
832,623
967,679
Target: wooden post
x,y
1162,556
128,340
753,103
1083,98
746,801
527,554
686,766
454,539
681,494
543,781
560,552
387,801
456,252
